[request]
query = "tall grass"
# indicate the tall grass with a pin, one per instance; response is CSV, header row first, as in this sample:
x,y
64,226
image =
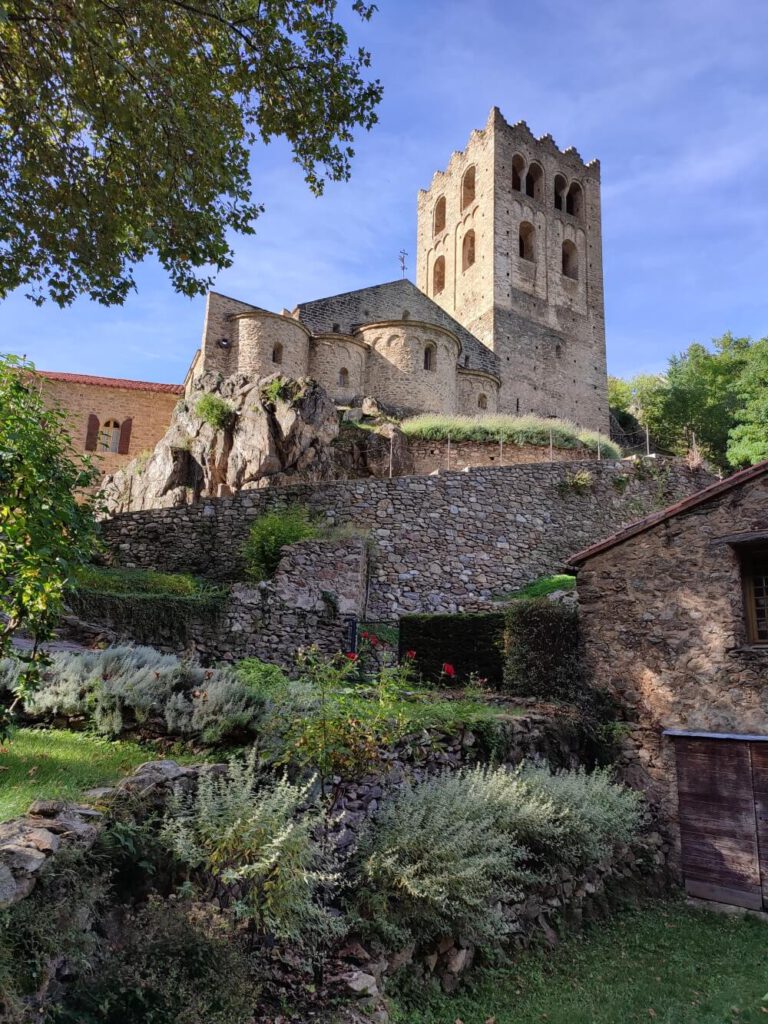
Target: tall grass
x,y
519,430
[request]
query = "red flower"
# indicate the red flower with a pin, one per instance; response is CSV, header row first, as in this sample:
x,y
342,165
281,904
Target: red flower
x,y
351,655
373,640
448,670
364,634
410,654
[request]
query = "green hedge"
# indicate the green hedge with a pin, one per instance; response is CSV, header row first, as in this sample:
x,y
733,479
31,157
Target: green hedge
x,y
471,643
531,649
148,618
542,647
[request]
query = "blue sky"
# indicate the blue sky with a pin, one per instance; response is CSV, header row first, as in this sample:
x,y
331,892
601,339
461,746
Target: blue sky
x,y
671,95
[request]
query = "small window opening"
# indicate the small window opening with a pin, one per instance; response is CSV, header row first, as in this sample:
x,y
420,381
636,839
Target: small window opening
x,y
754,575
344,377
468,250
570,260
534,182
109,440
482,402
468,188
518,166
438,223
430,357
560,186
527,242
574,201
438,275
277,353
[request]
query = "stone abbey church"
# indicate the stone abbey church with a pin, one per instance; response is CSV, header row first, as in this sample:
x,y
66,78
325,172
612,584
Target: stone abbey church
x,y
506,314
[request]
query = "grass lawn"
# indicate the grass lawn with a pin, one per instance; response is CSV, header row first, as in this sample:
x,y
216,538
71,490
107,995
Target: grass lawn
x,y
667,964
53,763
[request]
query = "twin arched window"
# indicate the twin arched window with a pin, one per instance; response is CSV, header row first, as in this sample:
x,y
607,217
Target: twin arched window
x,y
110,436
438,275
430,356
568,199
468,250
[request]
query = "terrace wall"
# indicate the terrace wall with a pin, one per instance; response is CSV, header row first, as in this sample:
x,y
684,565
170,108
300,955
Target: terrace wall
x,y
438,543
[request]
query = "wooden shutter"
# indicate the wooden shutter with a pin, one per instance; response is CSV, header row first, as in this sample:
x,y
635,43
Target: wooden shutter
x,y
718,832
125,437
92,433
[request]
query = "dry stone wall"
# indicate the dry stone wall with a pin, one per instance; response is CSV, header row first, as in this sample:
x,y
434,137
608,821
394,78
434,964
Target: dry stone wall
x,y
439,543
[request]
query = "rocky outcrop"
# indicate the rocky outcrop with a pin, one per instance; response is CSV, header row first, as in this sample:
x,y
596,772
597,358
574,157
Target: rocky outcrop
x,y
26,844
264,432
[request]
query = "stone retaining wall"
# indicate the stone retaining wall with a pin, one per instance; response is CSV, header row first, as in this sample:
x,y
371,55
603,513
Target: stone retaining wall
x,y
438,543
317,587
428,456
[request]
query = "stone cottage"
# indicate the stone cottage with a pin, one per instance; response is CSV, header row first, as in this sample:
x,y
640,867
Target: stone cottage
x,y
675,621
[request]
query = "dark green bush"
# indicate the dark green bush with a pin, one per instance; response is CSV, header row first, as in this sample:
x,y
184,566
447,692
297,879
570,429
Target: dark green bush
x,y
174,963
471,644
543,655
147,618
268,536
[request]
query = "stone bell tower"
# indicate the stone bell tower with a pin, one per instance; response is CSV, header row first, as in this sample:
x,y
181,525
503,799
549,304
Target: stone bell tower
x,y
510,244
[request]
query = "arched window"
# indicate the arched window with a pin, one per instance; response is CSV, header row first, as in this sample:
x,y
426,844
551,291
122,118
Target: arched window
x,y
518,167
430,356
570,260
468,188
482,401
468,250
438,275
92,433
438,222
574,201
534,182
560,186
277,353
343,377
109,438
527,242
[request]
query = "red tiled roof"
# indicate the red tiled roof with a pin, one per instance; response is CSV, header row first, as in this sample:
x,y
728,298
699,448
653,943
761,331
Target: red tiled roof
x,y
113,382
649,522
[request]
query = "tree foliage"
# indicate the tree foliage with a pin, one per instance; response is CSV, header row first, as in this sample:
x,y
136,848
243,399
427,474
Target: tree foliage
x,y
748,439
46,532
714,398
126,127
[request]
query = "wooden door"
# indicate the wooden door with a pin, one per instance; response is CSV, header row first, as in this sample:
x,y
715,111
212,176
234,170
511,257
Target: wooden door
x,y
718,827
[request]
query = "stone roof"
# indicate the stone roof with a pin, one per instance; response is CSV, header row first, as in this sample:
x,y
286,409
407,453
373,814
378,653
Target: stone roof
x,y
714,490
396,300
112,382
